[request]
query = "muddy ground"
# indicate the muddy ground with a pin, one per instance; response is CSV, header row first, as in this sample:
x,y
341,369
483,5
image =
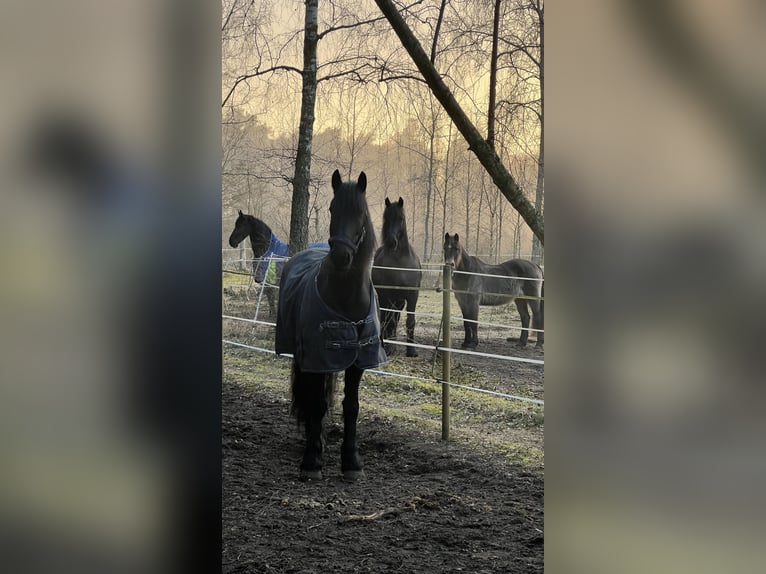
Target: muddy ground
x,y
474,504
424,506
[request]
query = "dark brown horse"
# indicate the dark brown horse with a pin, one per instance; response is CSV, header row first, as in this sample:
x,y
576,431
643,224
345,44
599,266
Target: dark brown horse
x,y
328,320
474,290
396,287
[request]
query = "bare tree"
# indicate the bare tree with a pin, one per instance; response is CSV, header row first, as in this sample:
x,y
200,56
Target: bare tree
x,y
477,143
299,231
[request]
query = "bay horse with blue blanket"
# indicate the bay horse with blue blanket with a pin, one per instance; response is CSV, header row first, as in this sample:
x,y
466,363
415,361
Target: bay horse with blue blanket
x,y
328,319
522,281
264,243
396,275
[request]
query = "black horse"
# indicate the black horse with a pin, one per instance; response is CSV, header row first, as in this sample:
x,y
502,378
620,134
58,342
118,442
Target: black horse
x,y
474,290
264,243
328,320
396,287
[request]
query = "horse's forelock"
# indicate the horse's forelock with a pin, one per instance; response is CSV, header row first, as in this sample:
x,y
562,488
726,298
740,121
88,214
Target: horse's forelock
x,y
393,214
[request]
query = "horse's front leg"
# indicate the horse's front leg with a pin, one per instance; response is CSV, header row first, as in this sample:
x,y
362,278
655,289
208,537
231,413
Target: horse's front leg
x,y
351,463
412,301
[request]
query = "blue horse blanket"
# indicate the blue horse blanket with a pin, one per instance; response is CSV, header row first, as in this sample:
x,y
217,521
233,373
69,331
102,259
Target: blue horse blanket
x,y
320,339
278,249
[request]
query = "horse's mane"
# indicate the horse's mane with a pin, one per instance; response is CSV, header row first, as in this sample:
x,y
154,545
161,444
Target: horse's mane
x,y
471,262
262,232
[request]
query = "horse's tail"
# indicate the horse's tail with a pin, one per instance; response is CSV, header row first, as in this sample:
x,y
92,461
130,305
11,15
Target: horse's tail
x,y
309,391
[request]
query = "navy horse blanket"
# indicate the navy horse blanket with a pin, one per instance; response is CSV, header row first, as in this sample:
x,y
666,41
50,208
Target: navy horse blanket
x,y
278,249
321,340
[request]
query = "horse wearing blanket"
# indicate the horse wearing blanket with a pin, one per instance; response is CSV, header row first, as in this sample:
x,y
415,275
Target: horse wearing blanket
x,y
328,319
269,252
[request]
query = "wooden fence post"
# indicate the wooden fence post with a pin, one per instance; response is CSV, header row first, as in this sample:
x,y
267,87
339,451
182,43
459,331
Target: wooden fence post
x,y
446,343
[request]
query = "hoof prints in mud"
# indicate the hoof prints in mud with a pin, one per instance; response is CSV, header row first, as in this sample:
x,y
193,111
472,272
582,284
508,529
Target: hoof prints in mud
x,y
423,506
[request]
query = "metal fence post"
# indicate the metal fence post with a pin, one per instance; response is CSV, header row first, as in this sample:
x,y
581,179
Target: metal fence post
x,y
446,343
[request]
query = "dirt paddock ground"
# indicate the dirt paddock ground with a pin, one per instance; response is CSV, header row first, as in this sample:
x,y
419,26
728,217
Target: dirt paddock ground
x,y
474,504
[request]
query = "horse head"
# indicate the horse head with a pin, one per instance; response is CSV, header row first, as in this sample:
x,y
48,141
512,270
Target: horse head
x,y
394,224
241,230
351,235
453,251
248,225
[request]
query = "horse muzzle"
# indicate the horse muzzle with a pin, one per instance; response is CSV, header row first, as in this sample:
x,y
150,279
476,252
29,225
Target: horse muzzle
x,y
341,257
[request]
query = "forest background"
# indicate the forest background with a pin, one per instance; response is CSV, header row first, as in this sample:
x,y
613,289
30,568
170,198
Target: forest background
x,y
375,113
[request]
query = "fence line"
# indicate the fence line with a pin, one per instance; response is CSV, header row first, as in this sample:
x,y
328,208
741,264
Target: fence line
x,y
418,345
444,347
401,376
466,352
256,321
460,318
420,313
499,276
413,269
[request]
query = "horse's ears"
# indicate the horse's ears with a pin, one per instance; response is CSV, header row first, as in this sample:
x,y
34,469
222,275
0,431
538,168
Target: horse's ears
x,y
388,202
361,183
240,213
457,238
446,237
401,201
336,181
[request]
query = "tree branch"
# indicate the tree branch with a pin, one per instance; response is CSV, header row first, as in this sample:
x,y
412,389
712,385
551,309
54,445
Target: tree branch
x,y
246,77
488,158
347,26
436,31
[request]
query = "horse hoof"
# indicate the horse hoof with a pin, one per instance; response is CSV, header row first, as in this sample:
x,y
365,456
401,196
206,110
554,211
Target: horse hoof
x,y
521,345
412,353
311,475
353,475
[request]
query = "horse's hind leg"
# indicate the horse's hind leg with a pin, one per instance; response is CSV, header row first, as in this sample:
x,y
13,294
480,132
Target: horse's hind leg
x,y
470,323
521,305
309,405
412,301
537,322
388,321
351,464
538,318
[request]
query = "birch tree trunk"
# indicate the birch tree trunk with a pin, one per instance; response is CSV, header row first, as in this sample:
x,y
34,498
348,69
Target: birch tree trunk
x,y
299,213
429,190
446,182
537,251
493,77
